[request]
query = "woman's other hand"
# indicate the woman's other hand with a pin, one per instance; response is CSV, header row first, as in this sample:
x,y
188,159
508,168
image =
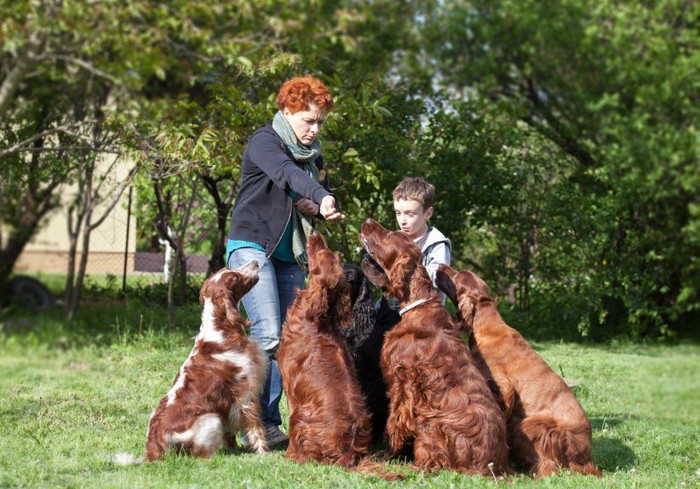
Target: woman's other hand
x,y
307,207
328,210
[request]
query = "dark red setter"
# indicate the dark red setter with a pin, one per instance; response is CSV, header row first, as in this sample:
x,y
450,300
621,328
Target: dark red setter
x,y
215,393
328,419
438,399
547,427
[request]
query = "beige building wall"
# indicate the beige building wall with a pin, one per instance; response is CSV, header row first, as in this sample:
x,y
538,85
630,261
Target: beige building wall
x,y
48,250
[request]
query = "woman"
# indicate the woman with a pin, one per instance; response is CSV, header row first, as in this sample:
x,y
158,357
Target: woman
x,y
283,187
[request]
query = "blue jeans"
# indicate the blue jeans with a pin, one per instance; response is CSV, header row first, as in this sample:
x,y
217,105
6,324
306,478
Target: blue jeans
x,y
266,307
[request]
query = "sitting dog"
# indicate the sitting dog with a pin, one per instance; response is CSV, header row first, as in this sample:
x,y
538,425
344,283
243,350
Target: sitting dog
x,y
364,339
215,393
364,314
328,419
438,399
547,427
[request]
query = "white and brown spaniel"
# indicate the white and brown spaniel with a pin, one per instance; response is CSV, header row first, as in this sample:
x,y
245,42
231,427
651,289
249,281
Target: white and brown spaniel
x,y
215,393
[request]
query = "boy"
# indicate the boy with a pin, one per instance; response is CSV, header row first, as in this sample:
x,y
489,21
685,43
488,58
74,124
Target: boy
x,y
413,204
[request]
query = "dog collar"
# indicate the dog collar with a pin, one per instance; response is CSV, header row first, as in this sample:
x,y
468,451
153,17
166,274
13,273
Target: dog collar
x,y
415,304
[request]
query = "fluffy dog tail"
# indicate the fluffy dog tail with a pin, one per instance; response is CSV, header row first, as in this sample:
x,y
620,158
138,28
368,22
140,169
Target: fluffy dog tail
x,y
559,445
125,459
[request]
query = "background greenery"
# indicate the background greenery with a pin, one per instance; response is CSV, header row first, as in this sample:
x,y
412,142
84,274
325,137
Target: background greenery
x,y
562,136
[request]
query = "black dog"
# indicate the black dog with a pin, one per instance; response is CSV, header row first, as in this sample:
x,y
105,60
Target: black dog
x,y
365,338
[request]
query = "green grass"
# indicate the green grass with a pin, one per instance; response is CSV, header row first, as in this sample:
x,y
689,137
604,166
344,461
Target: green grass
x,y
73,395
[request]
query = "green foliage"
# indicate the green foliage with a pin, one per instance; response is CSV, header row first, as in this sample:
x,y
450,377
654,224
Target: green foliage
x,y
368,141
562,137
607,85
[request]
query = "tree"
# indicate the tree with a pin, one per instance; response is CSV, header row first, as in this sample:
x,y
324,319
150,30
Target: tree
x,y
29,183
50,60
175,212
607,84
99,190
205,119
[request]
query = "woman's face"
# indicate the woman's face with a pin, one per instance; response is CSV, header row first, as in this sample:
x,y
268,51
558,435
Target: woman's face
x,y
306,123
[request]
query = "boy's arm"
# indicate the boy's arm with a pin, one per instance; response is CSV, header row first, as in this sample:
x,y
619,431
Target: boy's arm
x,y
433,257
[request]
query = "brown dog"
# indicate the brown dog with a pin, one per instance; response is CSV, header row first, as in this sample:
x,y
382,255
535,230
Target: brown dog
x,y
328,420
215,393
438,399
547,427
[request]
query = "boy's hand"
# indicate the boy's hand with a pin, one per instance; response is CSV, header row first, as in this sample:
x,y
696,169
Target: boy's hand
x,y
328,210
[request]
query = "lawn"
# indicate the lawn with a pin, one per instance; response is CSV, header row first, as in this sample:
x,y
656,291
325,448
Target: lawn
x,y
72,396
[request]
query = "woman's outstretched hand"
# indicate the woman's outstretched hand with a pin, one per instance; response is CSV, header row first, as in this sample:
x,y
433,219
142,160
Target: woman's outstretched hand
x,y
328,210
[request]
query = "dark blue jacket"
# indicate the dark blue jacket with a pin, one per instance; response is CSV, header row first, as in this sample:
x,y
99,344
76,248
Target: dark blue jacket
x,y
268,176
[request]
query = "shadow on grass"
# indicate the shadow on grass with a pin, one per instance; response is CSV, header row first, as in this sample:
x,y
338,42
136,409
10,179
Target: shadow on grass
x,y
604,422
240,449
611,454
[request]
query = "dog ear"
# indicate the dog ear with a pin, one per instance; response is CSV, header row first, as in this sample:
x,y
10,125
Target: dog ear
x,y
340,311
400,276
444,283
482,287
317,306
327,307
230,298
467,309
364,315
365,294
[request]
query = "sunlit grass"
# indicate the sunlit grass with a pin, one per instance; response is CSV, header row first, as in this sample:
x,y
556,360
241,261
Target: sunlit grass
x,y
72,395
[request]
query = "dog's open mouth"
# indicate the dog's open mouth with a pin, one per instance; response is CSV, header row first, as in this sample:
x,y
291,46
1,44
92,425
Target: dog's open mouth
x,y
372,262
368,259
374,272
369,255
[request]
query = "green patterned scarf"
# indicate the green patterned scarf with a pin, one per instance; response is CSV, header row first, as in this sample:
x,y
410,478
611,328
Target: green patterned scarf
x,y
305,156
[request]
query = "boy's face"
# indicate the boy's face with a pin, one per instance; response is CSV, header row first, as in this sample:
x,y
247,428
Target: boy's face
x,y
412,218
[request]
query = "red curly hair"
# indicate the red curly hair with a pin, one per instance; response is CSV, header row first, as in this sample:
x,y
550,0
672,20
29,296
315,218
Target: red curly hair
x,y
297,94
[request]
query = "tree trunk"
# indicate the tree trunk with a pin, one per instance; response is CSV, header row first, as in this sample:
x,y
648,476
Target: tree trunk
x,y
171,285
13,248
81,209
218,260
37,205
72,255
224,205
82,267
182,275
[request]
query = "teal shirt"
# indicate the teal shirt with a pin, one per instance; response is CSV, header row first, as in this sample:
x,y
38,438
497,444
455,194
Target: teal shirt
x,y
284,250
235,244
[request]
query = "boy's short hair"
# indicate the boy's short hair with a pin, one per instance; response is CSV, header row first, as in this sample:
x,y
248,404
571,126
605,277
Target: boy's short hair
x,y
415,188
